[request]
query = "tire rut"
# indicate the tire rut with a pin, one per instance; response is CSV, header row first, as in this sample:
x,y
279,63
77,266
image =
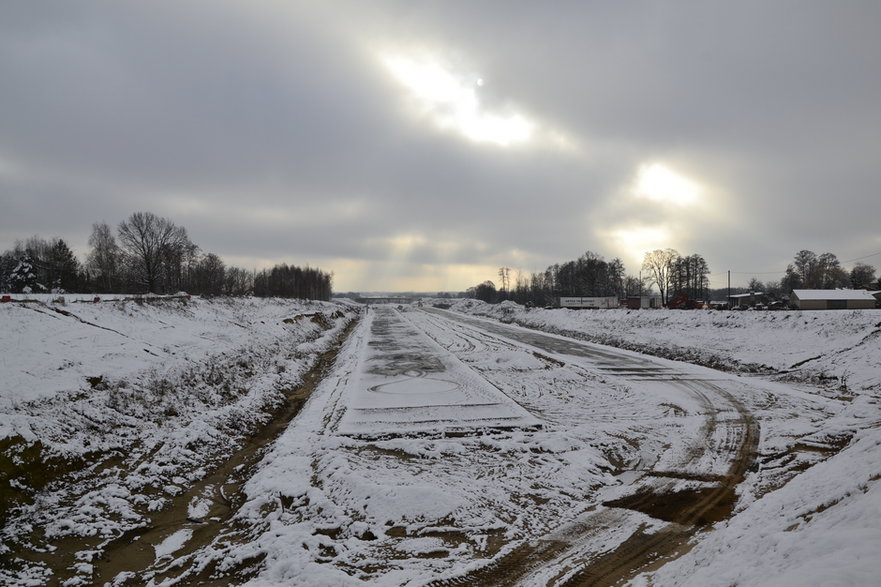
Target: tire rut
x,y
686,512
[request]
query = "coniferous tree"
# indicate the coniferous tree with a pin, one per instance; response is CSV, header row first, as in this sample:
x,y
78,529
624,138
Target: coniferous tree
x,y
23,279
63,268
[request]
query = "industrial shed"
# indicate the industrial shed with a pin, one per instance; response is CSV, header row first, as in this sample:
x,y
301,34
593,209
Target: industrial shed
x,y
832,299
747,300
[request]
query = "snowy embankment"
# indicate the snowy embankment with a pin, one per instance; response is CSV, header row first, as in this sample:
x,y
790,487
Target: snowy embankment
x,y
823,527
838,348
129,402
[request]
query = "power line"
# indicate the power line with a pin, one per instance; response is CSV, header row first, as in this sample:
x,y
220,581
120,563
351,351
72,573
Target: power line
x,y
860,258
754,272
784,271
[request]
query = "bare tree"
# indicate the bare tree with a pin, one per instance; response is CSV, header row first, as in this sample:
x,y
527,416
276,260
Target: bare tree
x,y
633,286
505,278
658,264
210,276
238,282
146,240
103,259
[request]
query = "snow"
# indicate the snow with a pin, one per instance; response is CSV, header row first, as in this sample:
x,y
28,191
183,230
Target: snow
x,y
419,388
173,543
441,441
158,391
823,527
816,345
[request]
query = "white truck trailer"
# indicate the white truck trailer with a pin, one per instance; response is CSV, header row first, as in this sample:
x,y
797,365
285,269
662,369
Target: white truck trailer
x,y
593,303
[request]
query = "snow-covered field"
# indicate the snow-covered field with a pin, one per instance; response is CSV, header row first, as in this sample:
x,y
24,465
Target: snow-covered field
x,y
442,448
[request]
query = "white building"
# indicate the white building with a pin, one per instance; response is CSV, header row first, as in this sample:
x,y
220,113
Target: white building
x,y
832,299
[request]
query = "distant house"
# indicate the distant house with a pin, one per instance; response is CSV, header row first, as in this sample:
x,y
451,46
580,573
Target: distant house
x,y
747,300
832,299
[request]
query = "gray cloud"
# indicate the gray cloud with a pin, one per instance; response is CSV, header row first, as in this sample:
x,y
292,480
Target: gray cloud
x,y
272,132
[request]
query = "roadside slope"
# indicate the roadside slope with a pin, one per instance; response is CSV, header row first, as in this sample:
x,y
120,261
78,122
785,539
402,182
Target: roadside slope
x,y
110,411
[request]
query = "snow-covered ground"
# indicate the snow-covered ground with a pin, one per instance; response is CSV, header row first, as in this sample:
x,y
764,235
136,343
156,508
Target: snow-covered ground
x,y
823,527
829,347
440,445
110,410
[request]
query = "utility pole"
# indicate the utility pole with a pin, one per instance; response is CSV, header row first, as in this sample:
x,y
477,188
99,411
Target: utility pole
x,y
729,289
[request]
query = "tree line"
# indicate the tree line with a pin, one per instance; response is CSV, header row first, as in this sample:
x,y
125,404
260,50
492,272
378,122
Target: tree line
x,y
810,270
673,275
146,254
590,275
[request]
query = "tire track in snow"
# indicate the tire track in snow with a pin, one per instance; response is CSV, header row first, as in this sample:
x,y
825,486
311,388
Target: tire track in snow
x,y
571,562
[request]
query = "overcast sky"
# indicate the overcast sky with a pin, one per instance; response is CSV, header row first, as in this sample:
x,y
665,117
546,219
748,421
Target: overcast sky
x,y
422,145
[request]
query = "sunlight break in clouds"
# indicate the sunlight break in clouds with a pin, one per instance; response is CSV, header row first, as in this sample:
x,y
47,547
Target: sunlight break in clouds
x,y
451,101
660,183
634,240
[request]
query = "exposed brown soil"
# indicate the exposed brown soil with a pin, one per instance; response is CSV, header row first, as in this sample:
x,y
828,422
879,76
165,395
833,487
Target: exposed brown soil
x,y
511,567
688,511
24,468
715,505
641,552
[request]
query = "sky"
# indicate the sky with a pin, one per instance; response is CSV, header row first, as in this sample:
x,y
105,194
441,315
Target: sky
x,y
420,146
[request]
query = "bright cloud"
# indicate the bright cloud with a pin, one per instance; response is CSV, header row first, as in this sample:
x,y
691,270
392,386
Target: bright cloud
x,y
451,101
661,183
631,241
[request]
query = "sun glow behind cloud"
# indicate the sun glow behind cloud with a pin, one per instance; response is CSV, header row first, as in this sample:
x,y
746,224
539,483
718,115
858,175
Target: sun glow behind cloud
x,y
452,102
632,241
658,208
660,183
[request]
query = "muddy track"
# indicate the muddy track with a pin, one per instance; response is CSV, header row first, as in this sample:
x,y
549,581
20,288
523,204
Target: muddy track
x,y
130,559
564,557
688,512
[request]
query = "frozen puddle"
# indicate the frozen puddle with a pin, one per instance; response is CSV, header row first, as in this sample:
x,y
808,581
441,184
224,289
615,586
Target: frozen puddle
x,y
406,383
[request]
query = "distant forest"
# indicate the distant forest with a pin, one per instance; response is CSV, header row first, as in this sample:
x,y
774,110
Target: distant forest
x,y
669,274
147,254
